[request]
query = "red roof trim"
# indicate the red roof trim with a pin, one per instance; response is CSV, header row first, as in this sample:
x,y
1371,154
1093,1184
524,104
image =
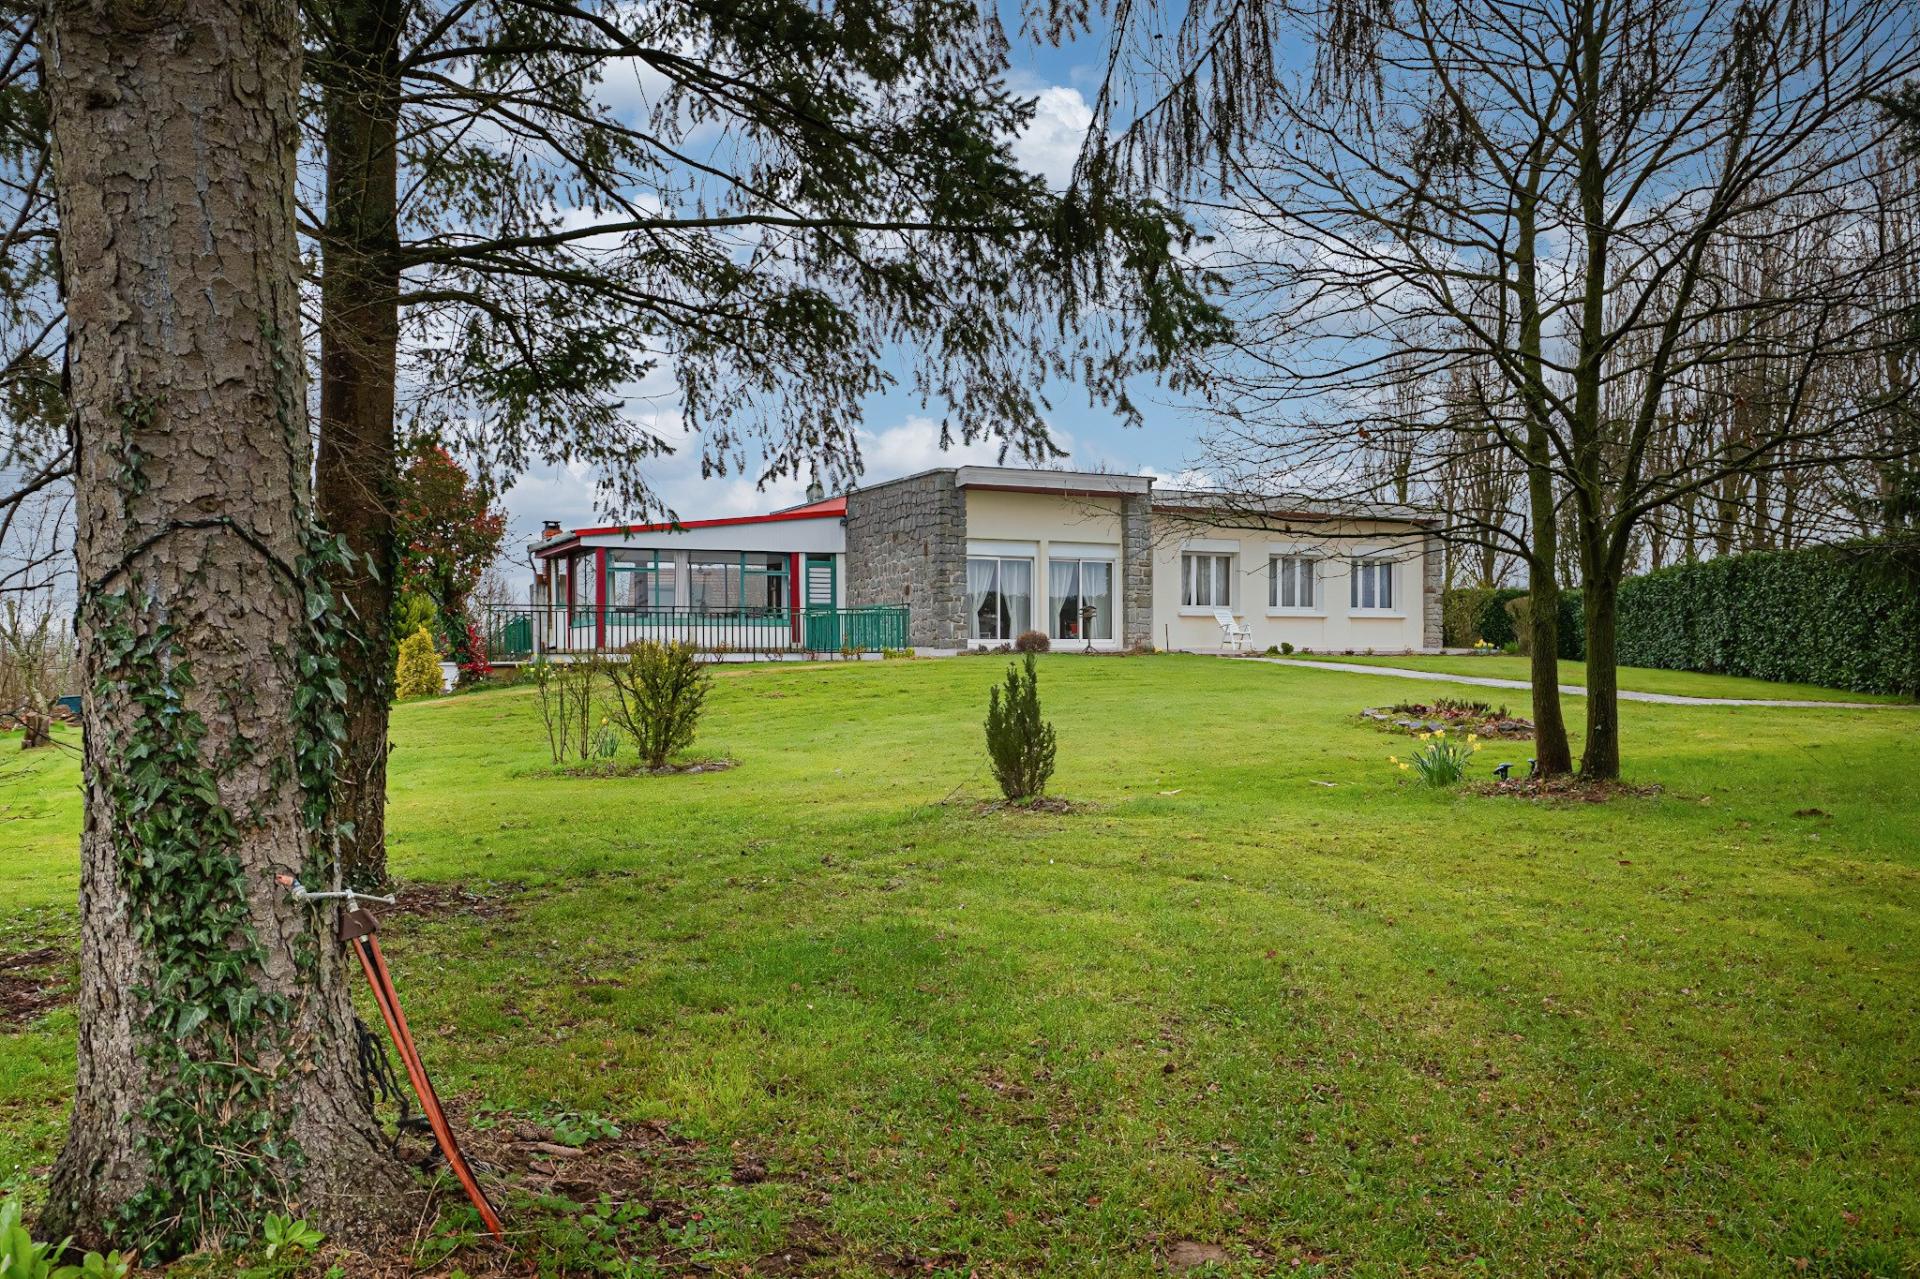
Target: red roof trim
x,y
829,509
825,506
727,522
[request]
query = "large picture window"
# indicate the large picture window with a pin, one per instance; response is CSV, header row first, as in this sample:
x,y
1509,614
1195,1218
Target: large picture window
x,y
1290,583
1372,585
639,580
1080,599
749,582
1206,580
999,598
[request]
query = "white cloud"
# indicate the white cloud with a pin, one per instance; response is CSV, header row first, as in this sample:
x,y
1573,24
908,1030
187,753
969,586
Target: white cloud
x,y
914,445
1051,143
1190,478
630,88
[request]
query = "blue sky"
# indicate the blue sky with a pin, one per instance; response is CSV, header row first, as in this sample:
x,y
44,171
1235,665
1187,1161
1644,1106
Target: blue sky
x,y
901,435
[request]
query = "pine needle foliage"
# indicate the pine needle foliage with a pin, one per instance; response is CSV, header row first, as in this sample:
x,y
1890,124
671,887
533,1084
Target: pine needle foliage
x,y
1019,742
417,672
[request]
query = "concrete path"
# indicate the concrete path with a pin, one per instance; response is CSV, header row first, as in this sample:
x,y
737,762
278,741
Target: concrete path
x,y
1575,690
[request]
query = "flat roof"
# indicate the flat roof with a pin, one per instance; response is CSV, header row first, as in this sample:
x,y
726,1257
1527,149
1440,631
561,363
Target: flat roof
x,y
1036,480
1287,506
831,508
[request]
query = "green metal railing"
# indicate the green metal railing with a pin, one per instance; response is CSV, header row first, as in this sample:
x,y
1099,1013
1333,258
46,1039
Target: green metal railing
x,y
519,633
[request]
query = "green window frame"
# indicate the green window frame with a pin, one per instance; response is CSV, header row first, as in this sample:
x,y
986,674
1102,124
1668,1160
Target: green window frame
x,y
653,590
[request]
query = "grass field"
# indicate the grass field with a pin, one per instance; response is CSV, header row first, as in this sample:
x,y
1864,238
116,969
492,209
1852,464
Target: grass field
x,y
1639,679
1256,1001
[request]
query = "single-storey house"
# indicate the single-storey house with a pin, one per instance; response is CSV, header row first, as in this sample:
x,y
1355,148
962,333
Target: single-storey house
x,y
974,556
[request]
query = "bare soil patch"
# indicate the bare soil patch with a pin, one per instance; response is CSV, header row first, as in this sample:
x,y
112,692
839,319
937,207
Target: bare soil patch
x,y
1570,789
1044,804
494,899
606,768
31,982
632,1195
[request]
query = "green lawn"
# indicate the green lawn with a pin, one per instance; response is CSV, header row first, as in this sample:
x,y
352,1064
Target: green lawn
x,y
1639,679
1257,992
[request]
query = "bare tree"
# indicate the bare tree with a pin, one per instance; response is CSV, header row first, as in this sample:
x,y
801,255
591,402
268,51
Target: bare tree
x,y
36,662
1583,197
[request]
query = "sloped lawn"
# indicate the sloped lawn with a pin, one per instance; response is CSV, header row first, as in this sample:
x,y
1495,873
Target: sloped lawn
x,y
1255,1002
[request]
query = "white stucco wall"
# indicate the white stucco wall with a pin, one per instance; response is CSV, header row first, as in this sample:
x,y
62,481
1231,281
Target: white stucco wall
x,y
1040,526
1332,624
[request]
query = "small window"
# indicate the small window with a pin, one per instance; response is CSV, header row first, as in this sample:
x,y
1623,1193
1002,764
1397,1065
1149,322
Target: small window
x,y
1206,580
1372,585
1290,582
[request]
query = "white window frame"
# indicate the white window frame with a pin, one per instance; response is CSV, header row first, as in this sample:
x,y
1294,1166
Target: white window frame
x,y
1316,582
999,560
1080,562
1363,562
1188,558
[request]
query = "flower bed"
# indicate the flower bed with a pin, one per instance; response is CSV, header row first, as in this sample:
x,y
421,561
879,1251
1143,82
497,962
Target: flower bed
x,y
1447,712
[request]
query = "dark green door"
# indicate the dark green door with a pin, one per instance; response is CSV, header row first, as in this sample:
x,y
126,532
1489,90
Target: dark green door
x,y
821,602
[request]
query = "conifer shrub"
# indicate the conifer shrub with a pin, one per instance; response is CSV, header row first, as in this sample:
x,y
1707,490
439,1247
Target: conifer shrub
x,y
1019,743
417,671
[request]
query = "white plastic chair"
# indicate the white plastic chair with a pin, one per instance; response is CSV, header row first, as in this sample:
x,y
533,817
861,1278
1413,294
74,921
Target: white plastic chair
x,y
1233,634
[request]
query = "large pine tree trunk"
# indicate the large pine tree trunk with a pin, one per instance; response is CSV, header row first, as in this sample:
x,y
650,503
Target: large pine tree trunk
x,y
359,75
216,1066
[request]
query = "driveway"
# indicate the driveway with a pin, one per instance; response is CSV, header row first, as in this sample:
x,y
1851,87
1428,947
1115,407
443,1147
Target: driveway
x,y
1576,690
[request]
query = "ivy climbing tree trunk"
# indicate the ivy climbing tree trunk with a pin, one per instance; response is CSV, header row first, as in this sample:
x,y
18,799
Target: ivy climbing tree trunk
x,y
358,72
216,1066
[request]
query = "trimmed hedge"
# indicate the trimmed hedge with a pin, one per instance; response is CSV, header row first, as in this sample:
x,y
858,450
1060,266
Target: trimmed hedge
x,y
1470,613
1842,616
1570,636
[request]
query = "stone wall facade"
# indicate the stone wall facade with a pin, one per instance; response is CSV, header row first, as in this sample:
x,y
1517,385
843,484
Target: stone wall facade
x,y
907,544
1432,594
1136,570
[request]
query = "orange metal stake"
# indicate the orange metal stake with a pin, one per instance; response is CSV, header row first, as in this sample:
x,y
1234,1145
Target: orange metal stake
x,y
357,929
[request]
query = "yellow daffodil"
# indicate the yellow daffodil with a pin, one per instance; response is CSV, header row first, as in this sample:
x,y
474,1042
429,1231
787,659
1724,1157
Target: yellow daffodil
x,y
1439,732
1393,759
1404,767
1473,737
1476,747
1425,736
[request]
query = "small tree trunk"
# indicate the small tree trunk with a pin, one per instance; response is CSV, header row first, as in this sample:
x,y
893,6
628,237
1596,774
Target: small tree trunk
x,y
36,730
216,1076
1601,758
1552,756
359,74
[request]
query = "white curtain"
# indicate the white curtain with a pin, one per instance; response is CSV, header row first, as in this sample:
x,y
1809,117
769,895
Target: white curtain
x,y
1016,597
980,575
1063,597
1096,589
